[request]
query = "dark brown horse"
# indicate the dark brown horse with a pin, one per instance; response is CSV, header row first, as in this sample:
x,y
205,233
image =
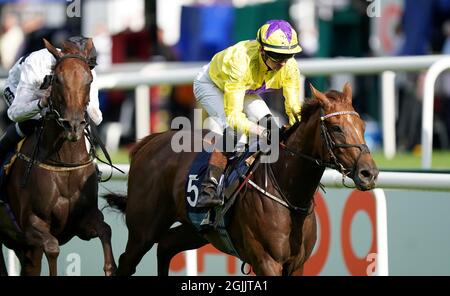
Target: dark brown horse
x,y
276,238
57,198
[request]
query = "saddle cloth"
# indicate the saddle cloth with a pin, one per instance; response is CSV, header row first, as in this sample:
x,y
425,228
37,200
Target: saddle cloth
x,y
236,169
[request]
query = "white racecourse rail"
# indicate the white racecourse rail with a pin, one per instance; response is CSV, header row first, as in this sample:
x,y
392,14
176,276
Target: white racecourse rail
x,y
142,75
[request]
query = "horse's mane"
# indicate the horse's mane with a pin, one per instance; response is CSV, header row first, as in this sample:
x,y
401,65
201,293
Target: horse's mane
x,y
310,106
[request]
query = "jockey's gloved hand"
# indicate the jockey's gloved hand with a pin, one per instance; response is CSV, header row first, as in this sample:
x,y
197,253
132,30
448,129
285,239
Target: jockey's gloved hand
x,y
44,111
266,134
43,101
43,105
283,130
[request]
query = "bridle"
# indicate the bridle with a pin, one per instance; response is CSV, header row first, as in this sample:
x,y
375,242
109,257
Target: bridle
x,y
334,163
331,146
90,132
52,112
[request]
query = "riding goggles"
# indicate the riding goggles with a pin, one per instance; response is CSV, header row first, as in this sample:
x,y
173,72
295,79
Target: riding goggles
x,y
277,57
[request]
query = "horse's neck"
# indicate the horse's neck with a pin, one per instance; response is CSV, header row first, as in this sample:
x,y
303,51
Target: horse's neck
x,y
53,146
299,177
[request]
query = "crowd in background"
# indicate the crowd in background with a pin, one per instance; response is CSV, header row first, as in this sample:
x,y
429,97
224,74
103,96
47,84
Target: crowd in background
x,y
341,28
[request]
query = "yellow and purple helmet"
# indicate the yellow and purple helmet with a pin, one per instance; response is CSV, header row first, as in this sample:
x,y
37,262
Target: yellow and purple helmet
x,y
278,36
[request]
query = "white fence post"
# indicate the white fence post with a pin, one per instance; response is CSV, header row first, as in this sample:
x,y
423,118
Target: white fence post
x,y
142,100
13,264
428,109
388,112
382,260
191,262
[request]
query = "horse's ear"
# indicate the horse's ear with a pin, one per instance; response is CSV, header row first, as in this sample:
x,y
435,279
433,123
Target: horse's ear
x,y
56,53
319,95
89,46
347,90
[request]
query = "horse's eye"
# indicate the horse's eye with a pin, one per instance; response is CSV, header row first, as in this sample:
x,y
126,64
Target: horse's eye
x,y
336,129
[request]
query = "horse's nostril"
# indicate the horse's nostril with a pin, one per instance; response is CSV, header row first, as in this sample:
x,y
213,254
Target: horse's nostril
x,y
66,124
365,174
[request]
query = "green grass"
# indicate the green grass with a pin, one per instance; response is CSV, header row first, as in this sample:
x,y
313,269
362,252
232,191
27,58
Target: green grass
x,y
441,160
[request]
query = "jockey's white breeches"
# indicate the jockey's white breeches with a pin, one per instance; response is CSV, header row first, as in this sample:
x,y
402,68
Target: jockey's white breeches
x,y
211,99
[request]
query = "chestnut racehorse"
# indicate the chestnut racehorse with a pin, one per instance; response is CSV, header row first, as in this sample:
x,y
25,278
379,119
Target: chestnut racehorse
x,y
52,187
273,229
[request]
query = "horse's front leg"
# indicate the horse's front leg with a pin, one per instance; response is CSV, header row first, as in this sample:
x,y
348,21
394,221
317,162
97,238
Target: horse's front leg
x,y
96,226
104,234
40,233
266,265
31,261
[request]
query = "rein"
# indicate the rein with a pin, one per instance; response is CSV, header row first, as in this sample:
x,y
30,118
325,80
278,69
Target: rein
x,y
283,200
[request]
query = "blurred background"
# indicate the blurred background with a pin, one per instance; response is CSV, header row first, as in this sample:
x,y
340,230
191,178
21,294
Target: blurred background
x,y
150,51
130,35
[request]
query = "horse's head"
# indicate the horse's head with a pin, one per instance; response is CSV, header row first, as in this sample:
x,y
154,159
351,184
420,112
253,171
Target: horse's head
x,y
70,87
342,137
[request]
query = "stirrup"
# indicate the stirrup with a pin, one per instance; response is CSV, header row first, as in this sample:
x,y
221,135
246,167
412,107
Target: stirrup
x,y
207,223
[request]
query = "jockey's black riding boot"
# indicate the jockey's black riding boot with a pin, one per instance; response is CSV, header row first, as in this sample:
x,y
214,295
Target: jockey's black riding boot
x,y
208,196
9,139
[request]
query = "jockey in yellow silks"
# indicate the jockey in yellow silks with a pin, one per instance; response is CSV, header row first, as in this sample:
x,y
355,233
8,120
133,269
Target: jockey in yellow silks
x,y
228,88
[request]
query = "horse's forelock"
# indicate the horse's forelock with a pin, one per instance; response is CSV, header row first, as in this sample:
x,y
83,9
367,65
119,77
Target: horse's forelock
x,y
74,48
312,104
70,48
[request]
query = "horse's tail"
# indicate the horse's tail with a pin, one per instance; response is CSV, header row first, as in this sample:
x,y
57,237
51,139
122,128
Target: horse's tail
x,y
116,201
